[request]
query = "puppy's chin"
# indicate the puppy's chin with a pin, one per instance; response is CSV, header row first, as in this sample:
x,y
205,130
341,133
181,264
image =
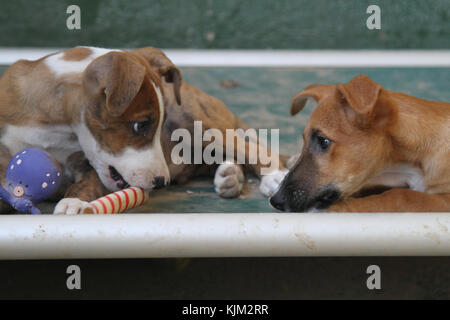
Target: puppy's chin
x,y
318,203
325,198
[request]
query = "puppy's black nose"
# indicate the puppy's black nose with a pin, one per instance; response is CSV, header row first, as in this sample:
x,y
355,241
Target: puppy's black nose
x,y
278,201
158,182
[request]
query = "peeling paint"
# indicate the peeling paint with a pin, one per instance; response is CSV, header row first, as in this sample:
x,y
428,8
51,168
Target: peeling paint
x,y
441,226
433,236
306,240
40,233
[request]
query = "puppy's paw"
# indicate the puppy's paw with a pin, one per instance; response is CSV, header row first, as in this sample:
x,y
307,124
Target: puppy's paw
x,y
70,206
271,182
229,180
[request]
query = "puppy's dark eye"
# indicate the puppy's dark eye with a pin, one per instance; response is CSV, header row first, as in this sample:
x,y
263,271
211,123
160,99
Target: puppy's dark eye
x,y
324,143
319,142
141,128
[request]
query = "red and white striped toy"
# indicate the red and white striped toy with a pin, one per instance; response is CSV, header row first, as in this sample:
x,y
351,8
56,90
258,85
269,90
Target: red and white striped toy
x,y
117,202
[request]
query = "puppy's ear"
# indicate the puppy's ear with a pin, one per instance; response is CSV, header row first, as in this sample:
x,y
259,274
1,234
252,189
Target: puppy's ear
x,y
159,61
315,91
116,76
365,107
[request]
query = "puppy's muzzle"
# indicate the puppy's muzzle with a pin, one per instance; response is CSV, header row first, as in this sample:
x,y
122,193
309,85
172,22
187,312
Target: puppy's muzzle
x,y
299,200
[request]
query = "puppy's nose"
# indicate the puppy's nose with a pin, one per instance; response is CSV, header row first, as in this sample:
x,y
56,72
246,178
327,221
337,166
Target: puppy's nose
x,y
159,182
278,201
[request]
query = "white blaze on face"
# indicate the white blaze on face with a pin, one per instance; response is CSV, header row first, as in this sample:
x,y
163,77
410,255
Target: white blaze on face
x,y
138,167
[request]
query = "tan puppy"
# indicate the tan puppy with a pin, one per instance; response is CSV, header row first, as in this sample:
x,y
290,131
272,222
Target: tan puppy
x,y
362,136
107,116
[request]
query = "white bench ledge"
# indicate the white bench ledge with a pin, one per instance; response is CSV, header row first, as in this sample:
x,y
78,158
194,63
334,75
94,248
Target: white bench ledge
x,y
224,235
274,58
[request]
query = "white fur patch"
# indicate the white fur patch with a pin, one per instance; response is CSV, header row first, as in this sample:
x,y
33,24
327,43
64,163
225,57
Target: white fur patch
x,y
59,66
229,180
400,175
70,206
58,140
137,167
271,183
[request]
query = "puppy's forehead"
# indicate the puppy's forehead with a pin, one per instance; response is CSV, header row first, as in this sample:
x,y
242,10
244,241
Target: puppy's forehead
x,y
328,117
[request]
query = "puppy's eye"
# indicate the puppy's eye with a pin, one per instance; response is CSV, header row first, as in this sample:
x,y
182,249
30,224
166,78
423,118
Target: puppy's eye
x,y
141,128
324,143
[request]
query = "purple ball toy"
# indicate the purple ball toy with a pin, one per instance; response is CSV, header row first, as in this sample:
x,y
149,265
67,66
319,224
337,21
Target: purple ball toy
x,y
32,175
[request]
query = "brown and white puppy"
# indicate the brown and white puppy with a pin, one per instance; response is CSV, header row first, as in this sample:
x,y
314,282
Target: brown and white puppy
x,y
362,136
110,105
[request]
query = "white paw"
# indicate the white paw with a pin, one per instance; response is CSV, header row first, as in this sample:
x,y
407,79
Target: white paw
x,y
271,182
70,206
229,180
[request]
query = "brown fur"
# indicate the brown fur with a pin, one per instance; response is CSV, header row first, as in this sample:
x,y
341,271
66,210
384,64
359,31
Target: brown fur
x,y
76,54
373,129
198,105
114,133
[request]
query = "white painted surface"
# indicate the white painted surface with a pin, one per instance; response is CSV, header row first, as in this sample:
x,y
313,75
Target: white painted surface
x,y
276,58
224,235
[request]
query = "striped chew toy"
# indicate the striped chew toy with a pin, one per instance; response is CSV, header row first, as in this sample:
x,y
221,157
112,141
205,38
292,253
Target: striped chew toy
x,y
117,202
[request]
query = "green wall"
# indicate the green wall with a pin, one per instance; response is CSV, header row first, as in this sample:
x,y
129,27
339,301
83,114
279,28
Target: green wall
x,y
241,24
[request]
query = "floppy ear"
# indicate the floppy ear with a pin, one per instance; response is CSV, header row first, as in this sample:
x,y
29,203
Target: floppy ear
x,y
364,104
315,91
117,77
159,61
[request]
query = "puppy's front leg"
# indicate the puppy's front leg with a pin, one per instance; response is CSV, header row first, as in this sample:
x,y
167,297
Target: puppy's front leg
x,y
395,200
87,187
